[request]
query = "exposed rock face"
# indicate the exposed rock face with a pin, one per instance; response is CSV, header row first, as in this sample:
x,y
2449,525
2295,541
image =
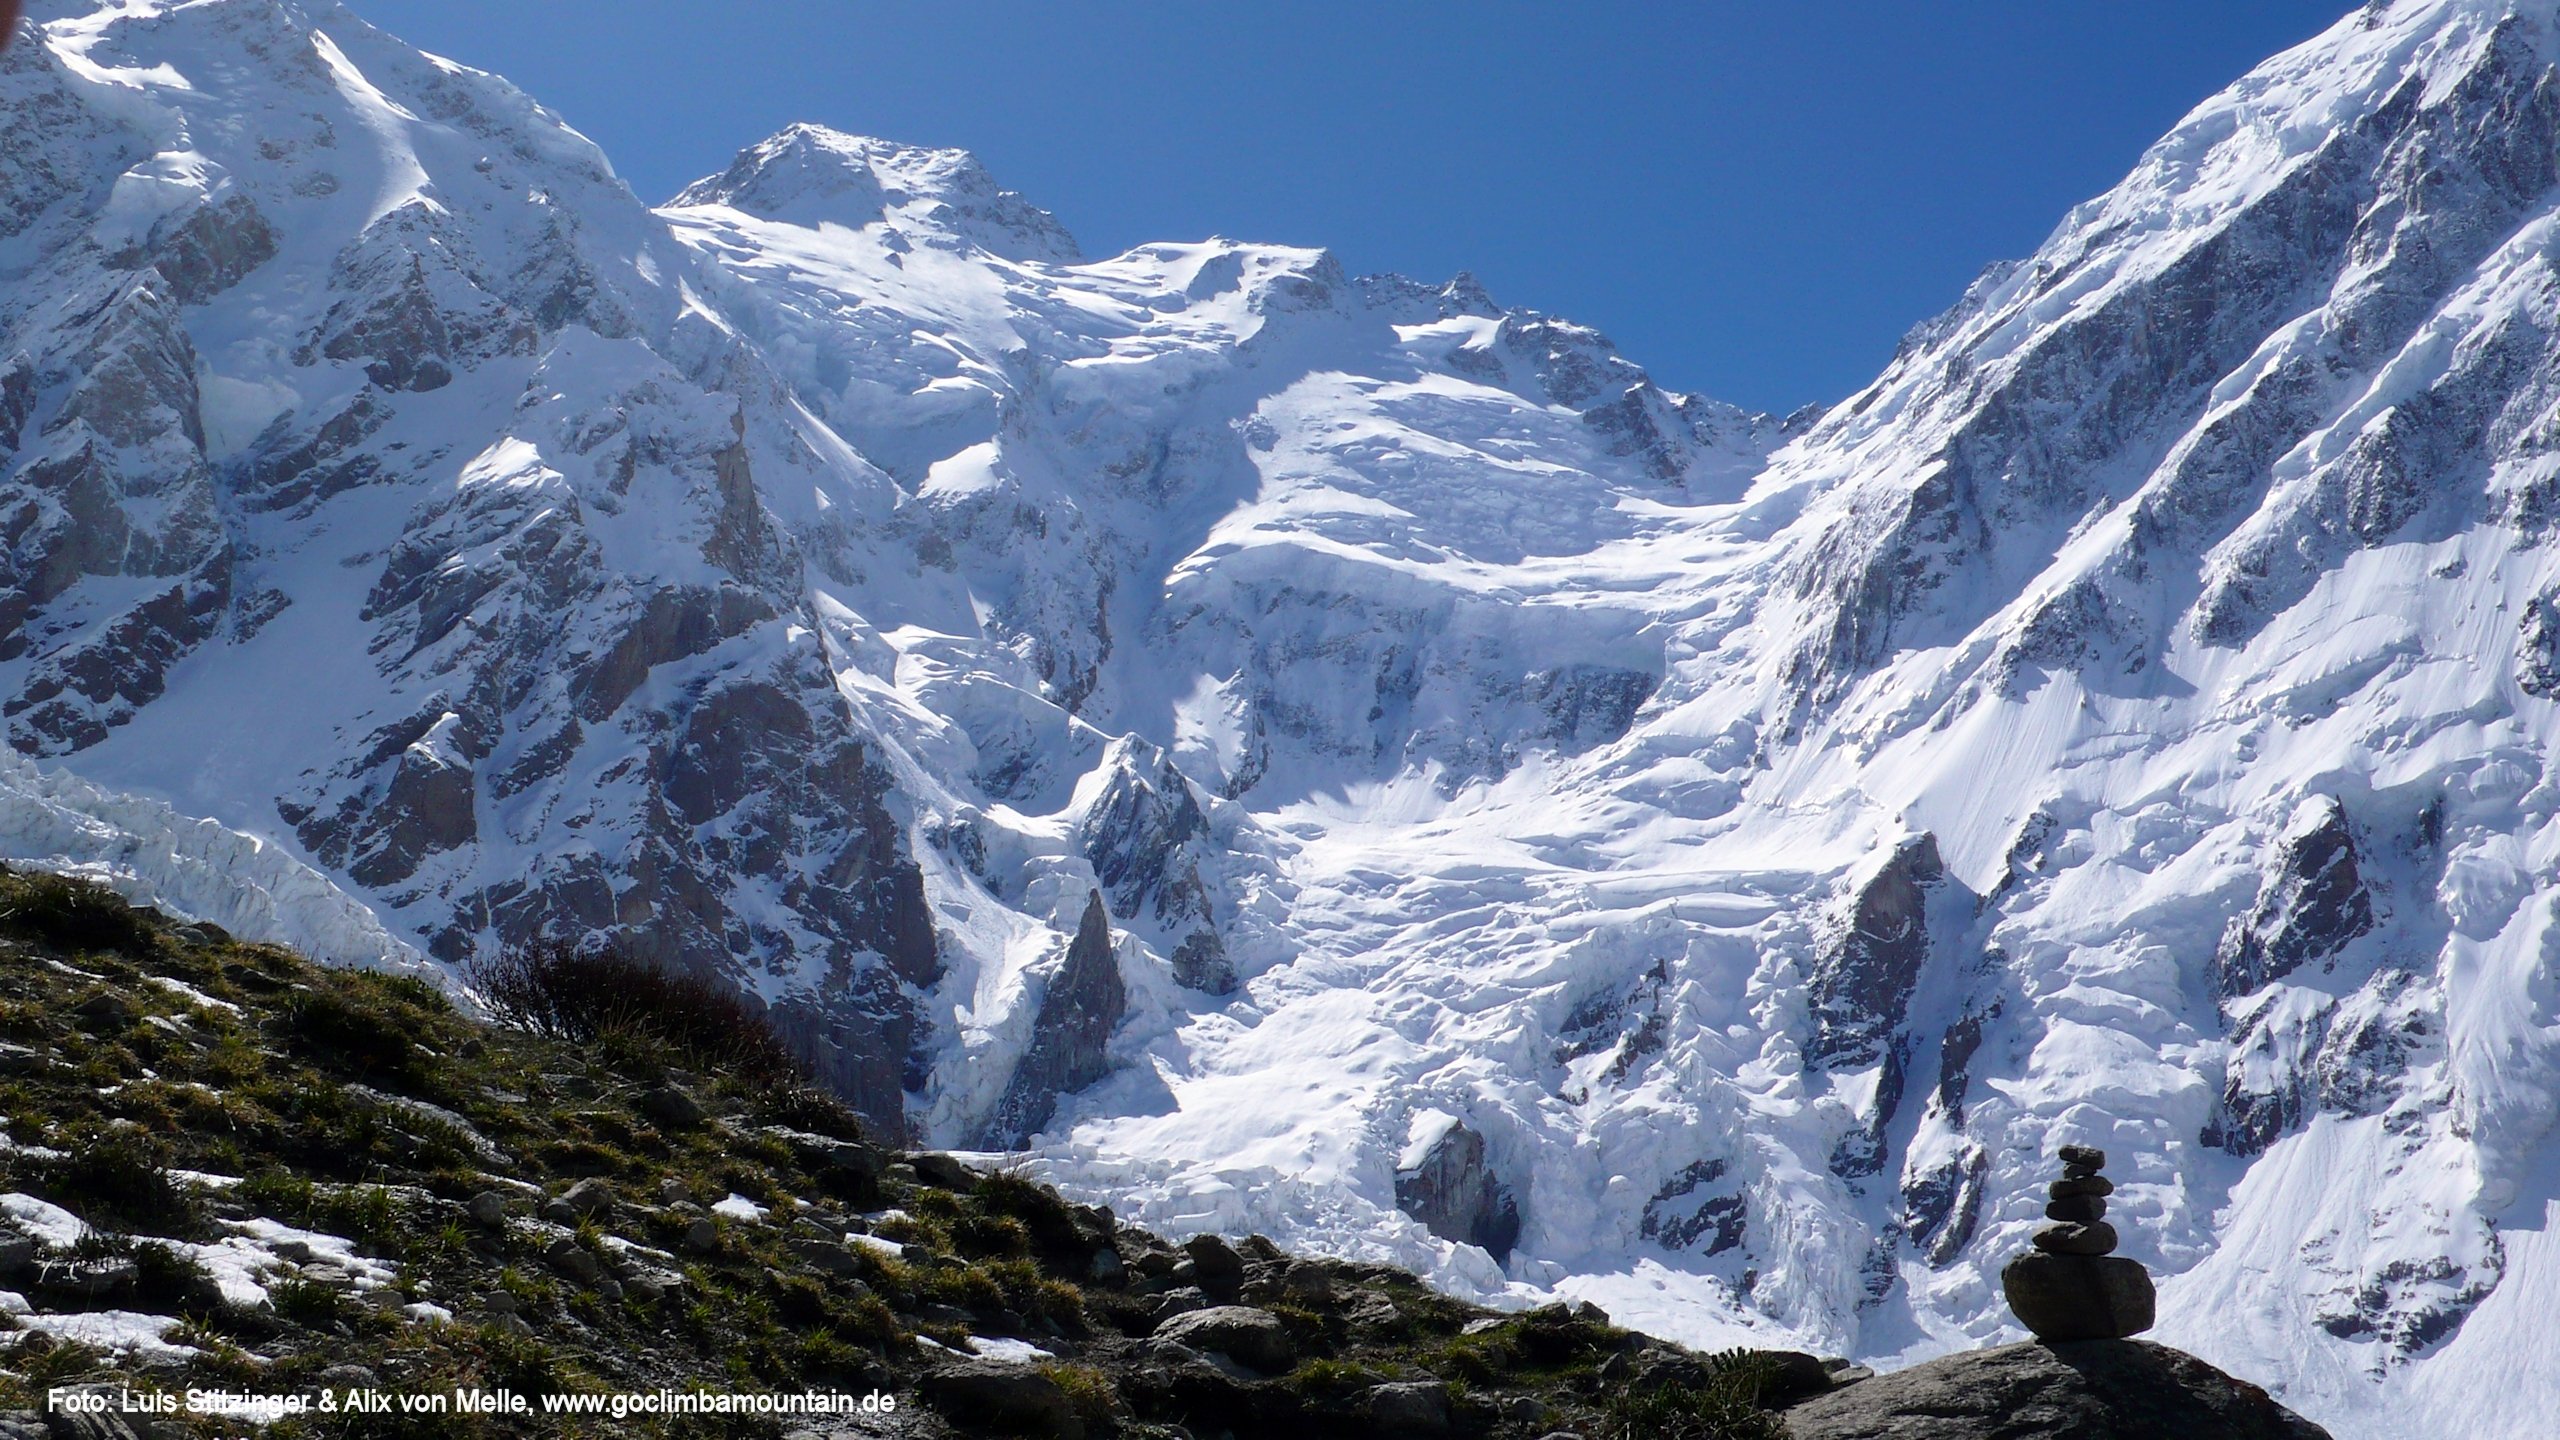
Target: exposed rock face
x,y
1069,1039
2313,903
1147,839
1697,1208
1445,1182
1861,990
2092,1390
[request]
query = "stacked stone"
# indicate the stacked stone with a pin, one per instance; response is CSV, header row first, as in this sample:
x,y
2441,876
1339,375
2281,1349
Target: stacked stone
x,y
2078,1206
2073,1286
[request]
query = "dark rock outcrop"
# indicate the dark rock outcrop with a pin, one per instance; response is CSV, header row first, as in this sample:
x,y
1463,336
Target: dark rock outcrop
x,y
1860,990
1146,834
2091,1390
2314,901
1069,1038
1692,1209
1451,1189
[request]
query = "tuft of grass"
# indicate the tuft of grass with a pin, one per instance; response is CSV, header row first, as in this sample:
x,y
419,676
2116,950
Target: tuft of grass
x,y
365,1023
74,915
1725,1407
121,1180
1088,1392
306,1302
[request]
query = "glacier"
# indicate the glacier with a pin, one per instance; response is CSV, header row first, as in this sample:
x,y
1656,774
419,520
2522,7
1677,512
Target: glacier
x,y
1743,847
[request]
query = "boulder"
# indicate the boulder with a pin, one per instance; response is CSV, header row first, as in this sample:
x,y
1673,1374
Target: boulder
x,y
943,1172
573,1260
669,1107
982,1396
489,1210
1408,1409
1253,1338
2092,1390
1216,1267
2079,1297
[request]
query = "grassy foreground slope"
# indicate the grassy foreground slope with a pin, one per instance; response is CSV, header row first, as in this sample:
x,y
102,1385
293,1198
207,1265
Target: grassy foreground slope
x,y
224,1167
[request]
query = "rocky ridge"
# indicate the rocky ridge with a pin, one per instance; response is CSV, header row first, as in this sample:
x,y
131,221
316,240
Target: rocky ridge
x,y
225,1168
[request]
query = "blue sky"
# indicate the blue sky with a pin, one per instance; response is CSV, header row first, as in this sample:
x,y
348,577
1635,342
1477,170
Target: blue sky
x,y
1755,200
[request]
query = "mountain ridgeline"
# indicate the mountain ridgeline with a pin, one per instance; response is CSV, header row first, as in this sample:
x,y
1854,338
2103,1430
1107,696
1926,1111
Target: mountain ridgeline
x,y
1334,757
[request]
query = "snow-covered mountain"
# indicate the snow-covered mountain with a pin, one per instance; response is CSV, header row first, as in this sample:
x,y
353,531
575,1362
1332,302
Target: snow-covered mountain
x,y
1551,831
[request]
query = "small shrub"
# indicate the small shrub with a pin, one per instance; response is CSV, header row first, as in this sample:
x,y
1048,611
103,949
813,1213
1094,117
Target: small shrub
x,y
598,995
1047,1220
362,1212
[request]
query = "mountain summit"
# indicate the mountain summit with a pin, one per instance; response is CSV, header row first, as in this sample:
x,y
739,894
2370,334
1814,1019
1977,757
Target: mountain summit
x,y
1707,859
809,175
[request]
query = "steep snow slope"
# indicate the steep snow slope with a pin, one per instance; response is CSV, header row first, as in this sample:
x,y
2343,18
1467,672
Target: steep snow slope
x,y
1556,833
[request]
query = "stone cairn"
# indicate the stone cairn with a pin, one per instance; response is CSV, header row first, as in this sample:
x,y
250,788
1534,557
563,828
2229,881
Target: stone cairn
x,y
2073,1286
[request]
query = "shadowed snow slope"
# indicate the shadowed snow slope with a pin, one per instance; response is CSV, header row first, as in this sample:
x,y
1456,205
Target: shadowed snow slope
x,y
1741,850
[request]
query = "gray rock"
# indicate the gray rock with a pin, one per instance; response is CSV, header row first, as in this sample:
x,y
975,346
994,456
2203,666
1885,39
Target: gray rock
x,y
670,1107
2079,1297
1181,1300
2094,1390
827,1257
1418,1409
488,1209
2074,1238
983,1396
558,1212
2085,1156
2312,903
1215,1265
1250,1337
87,1279
573,1260
1860,990
1453,1191
942,1171
1147,836
1082,1005
107,1425
589,1199
2077,1209
672,1191
499,1302
702,1237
